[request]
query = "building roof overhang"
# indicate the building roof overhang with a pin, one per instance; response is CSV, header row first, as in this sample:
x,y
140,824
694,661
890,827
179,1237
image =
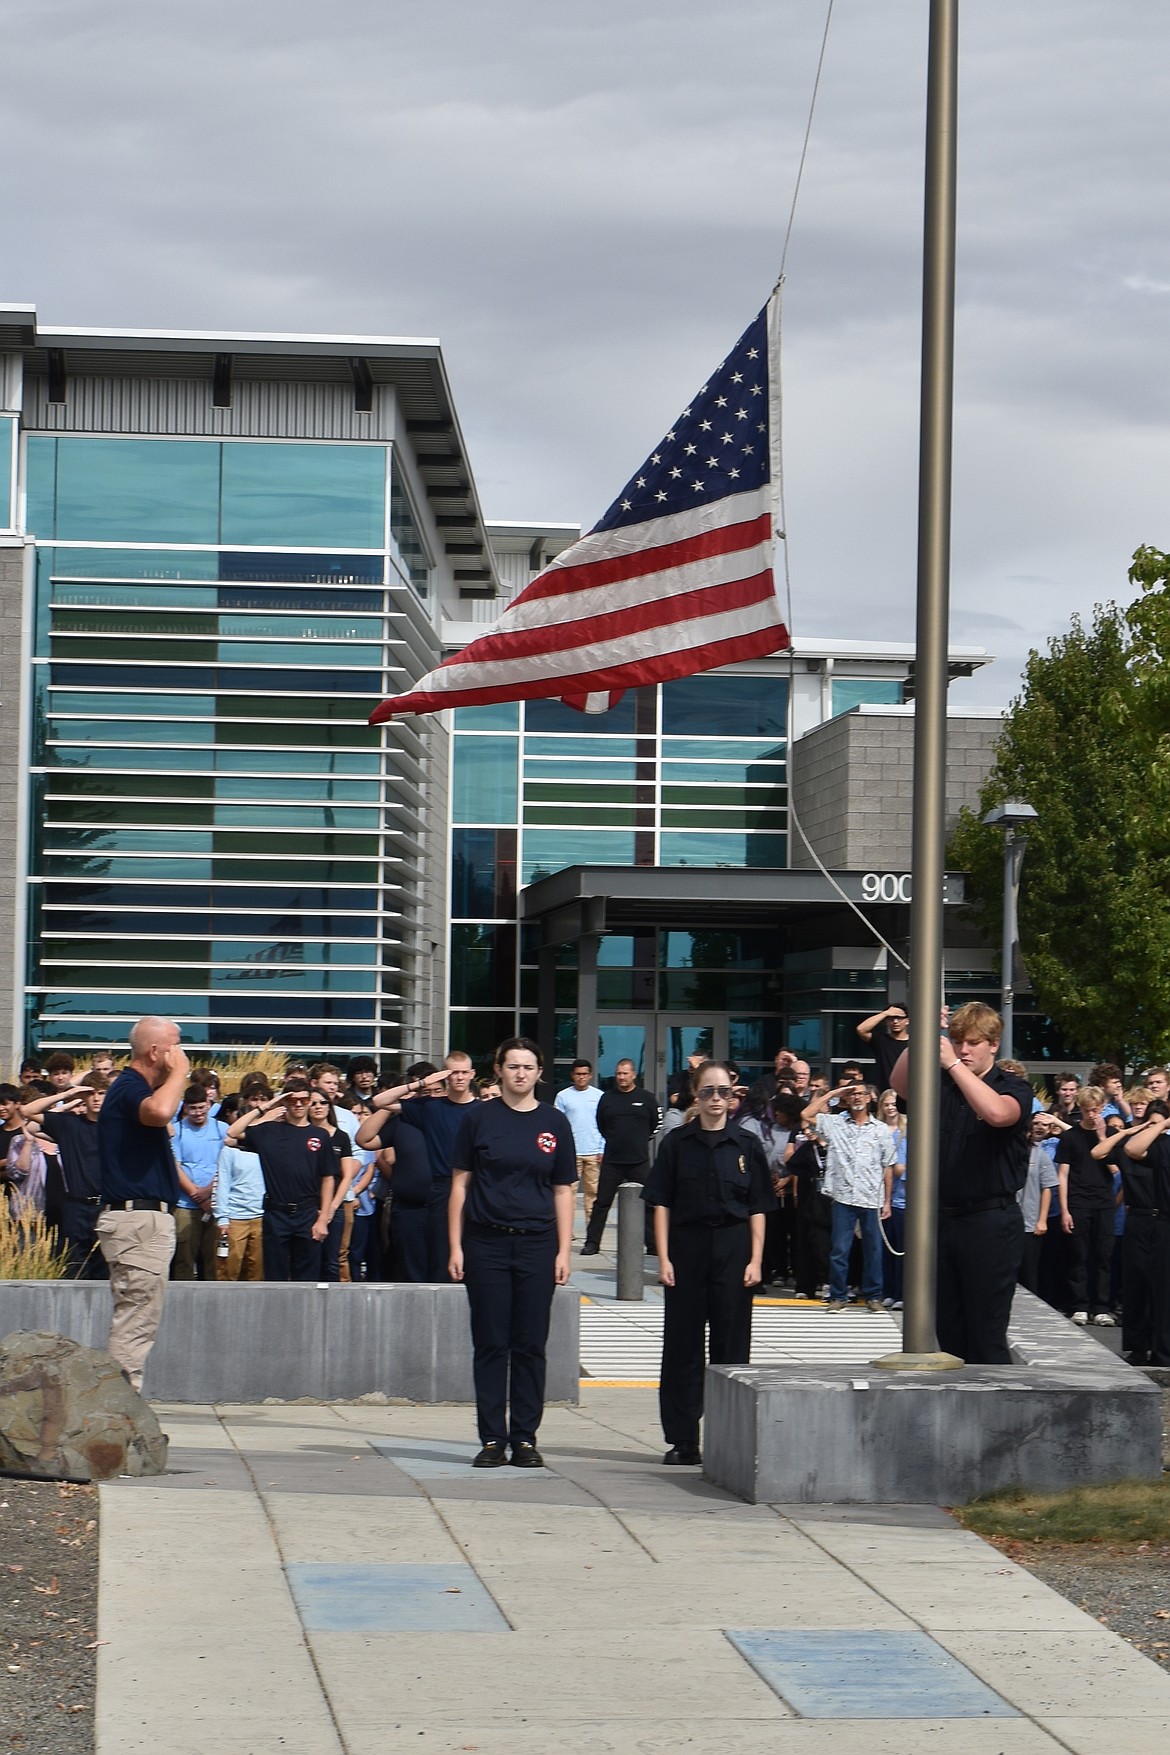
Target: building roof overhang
x,y
413,366
599,898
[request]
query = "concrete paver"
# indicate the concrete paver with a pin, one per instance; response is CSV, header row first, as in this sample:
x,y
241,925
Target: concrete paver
x,y
600,1593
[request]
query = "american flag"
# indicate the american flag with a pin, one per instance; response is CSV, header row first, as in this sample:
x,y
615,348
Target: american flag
x,y
675,578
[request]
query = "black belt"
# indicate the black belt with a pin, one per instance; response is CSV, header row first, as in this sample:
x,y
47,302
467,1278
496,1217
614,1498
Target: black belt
x,y
136,1206
1145,1212
84,1200
508,1230
288,1206
982,1206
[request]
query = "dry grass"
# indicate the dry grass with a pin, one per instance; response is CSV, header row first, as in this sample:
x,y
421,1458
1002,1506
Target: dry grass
x,y
1128,1511
29,1249
235,1067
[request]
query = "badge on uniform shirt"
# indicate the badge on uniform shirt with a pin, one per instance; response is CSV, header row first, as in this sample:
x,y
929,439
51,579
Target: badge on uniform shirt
x,y
742,1167
547,1142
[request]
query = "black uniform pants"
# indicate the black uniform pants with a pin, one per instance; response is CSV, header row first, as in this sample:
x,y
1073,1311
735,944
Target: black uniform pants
x,y
709,1263
610,1180
77,1219
510,1278
814,1230
978,1261
1090,1251
411,1229
1160,1299
438,1236
1139,1244
290,1250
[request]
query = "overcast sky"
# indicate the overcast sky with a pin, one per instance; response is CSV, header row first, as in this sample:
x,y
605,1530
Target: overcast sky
x,y
586,204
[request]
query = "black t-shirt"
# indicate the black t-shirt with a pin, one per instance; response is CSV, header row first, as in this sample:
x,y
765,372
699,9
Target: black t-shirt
x,y
137,1161
439,1121
887,1052
978,1162
626,1121
710,1176
411,1181
294,1160
1158,1159
1090,1180
1137,1179
516,1158
81,1167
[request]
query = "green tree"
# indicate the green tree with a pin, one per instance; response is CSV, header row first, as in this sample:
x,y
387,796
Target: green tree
x,y
1087,743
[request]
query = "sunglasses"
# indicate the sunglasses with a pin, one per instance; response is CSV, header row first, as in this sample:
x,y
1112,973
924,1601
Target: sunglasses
x,y
723,1091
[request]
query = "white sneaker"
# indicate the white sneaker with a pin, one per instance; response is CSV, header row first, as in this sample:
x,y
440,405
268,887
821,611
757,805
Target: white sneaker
x,y
1104,1320
1080,1317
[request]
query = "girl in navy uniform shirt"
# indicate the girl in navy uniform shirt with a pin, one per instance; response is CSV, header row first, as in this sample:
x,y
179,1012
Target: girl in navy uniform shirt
x,y
510,1222
711,1191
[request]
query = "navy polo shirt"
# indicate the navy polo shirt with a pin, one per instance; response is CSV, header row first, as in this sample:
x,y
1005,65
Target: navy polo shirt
x,y
136,1161
516,1158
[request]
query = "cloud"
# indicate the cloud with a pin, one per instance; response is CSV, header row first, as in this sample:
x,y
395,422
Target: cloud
x,y
587,205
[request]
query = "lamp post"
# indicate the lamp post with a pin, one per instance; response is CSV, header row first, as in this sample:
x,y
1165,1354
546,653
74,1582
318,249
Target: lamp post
x,y
1012,817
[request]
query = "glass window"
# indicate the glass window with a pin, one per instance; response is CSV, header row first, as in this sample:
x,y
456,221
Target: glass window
x,y
723,819
480,1033
334,495
757,796
575,769
748,706
624,990
94,705
485,781
555,716
576,748
626,951
746,949
125,564
720,849
549,850
581,814
137,490
620,1042
850,692
146,731
699,990
483,965
708,749
404,533
724,773
492,716
40,485
483,873
7,455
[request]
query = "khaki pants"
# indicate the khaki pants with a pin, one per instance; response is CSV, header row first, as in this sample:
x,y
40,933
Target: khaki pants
x,y
588,1175
195,1244
138,1248
245,1256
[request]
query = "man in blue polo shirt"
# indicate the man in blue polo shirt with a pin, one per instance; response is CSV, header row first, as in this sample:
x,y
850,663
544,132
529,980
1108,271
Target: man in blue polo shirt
x,y
139,1186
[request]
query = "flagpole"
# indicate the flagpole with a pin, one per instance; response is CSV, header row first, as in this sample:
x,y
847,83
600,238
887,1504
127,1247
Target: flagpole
x,y
919,1339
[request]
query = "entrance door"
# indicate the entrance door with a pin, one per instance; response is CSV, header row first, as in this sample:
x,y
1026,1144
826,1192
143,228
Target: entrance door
x,y
658,1044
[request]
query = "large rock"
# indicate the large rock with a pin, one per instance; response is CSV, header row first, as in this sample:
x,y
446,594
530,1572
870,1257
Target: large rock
x,y
68,1413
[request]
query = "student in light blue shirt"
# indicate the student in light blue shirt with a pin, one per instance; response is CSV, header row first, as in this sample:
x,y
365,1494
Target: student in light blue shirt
x,y
196,1144
578,1104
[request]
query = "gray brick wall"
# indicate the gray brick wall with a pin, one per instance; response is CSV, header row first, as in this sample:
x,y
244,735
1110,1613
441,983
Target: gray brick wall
x,y
11,878
853,781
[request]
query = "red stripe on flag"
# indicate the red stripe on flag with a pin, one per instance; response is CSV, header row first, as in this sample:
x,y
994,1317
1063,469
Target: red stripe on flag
x,y
659,612
661,667
559,580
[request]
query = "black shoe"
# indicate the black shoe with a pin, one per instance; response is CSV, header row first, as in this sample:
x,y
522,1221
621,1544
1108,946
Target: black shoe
x,y
590,1249
493,1455
683,1456
526,1456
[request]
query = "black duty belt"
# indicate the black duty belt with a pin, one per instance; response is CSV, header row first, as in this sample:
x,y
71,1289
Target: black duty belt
x,y
288,1206
508,1230
136,1206
84,1200
1000,1202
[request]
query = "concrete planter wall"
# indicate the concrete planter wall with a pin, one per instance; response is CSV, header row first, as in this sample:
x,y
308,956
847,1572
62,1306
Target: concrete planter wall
x,y
1067,1413
241,1342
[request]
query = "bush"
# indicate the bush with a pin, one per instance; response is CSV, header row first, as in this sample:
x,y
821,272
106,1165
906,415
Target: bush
x,y
29,1249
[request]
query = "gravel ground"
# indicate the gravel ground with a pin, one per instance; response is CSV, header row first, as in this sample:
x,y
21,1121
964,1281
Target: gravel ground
x,y
48,1617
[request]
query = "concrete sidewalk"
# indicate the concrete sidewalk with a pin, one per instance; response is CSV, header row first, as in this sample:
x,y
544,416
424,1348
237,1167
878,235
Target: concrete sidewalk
x,y
320,1579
